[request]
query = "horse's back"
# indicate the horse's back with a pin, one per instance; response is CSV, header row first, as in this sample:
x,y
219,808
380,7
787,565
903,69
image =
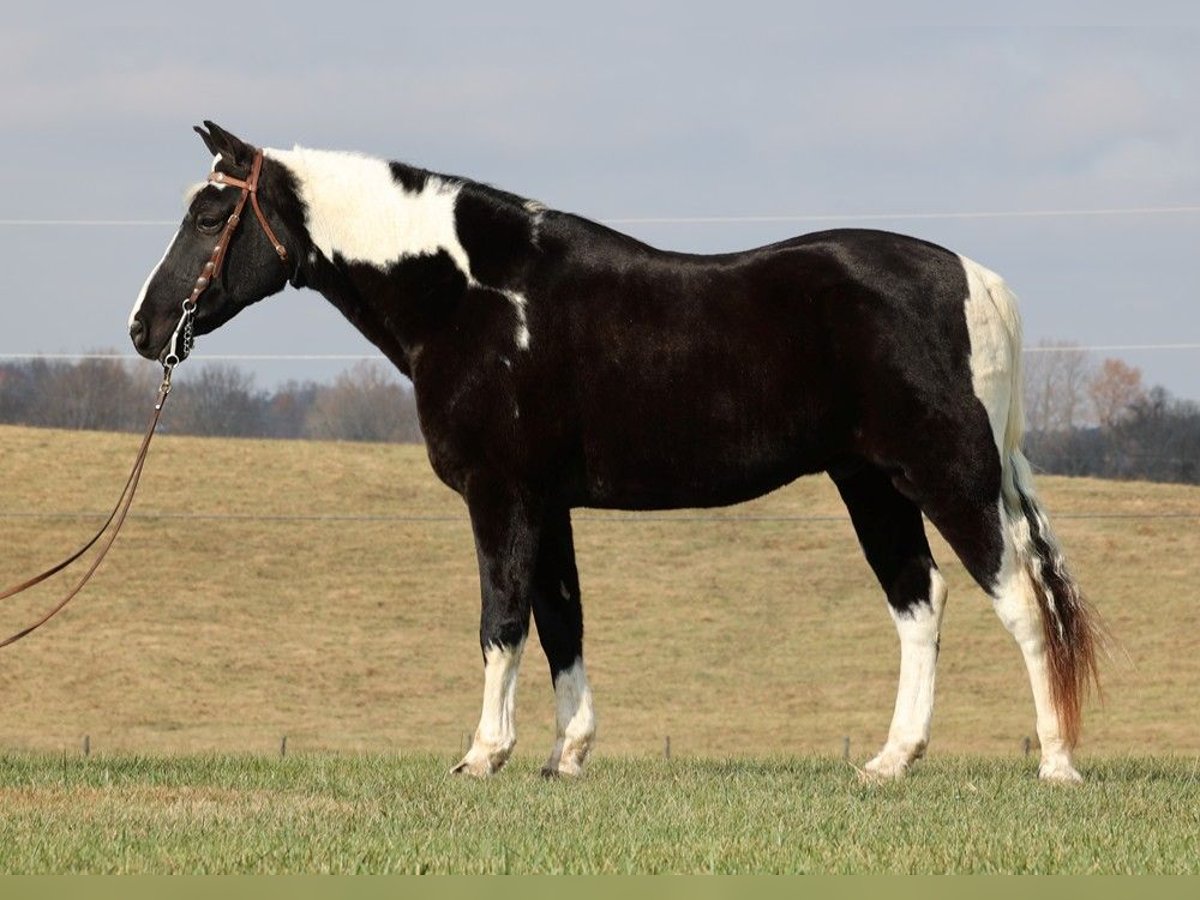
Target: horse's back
x,y
704,380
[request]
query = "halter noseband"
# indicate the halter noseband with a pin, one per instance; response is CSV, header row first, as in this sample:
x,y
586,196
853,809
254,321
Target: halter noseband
x,y
182,338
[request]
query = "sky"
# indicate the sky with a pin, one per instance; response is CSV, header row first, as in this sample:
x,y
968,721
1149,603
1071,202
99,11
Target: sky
x,y
760,120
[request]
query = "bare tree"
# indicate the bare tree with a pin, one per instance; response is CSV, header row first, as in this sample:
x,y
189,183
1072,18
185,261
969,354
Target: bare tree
x,y
94,394
18,393
217,400
1114,390
288,408
1057,375
365,403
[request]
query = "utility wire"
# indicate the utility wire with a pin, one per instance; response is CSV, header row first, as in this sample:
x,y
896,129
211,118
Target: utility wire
x,y
729,219
360,357
887,217
616,518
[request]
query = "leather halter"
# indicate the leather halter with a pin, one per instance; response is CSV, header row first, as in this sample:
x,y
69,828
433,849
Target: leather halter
x,y
249,189
182,338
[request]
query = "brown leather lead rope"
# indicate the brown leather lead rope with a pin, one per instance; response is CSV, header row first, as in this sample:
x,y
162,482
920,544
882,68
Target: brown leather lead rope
x,y
178,348
116,519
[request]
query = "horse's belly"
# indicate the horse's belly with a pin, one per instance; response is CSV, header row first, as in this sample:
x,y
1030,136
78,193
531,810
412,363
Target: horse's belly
x,y
673,462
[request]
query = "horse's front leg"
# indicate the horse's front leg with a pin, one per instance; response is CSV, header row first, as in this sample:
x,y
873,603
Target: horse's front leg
x,y
507,528
559,616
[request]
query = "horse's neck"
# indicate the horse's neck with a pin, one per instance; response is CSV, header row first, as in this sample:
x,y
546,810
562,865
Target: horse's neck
x,y
364,210
411,224
357,209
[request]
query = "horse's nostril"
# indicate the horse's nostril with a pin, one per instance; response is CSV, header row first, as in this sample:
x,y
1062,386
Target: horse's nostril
x,y
137,332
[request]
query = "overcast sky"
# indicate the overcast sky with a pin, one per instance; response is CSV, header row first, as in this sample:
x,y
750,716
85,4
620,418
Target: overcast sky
x,y
620,112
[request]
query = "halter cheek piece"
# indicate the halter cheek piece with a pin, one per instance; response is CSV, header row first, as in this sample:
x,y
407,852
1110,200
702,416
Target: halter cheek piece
x,y
183,337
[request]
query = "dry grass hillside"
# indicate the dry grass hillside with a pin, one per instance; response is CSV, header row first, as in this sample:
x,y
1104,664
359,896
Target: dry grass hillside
x,y
328,592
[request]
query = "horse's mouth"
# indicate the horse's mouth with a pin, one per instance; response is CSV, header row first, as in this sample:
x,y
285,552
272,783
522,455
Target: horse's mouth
x,y
139,335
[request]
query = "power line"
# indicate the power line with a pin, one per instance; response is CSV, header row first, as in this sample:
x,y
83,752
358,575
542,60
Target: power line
x,y
615,518
86,223
215,357
1070,348
378,357
757,219
879,217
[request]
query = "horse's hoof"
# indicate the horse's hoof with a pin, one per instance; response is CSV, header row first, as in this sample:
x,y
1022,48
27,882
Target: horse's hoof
x,y
886,767
473,768
562,767
1059,772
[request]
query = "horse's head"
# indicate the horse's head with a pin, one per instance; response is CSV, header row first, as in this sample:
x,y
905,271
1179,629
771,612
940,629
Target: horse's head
x,y
214,266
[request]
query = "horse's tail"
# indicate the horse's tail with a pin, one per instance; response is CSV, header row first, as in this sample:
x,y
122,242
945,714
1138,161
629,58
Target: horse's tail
x,y
1070,625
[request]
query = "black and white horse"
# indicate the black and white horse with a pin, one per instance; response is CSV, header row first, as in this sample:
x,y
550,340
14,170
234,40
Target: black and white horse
x,y
558,364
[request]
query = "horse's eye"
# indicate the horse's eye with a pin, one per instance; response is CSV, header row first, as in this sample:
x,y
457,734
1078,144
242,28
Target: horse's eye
x,y
208,223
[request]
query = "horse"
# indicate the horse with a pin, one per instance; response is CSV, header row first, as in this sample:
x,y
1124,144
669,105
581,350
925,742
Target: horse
x,y
558,364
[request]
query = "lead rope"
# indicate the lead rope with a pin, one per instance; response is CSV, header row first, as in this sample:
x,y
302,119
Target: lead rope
x,y
115,519
178,349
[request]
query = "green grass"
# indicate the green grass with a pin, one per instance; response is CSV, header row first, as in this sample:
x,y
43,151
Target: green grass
x,y
390,814
742,636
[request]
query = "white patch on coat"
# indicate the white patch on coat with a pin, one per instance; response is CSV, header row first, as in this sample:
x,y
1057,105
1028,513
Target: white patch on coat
x,y
576,721
190,194
220,186
497,732
919,630
521,335
357,209
994,328
1016,604
141,297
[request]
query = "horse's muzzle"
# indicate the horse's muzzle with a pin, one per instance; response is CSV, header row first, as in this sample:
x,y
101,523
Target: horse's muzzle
x,y
140,335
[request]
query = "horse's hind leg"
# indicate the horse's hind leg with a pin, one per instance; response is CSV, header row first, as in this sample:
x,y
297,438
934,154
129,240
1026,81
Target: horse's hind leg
x,y
559,616
892,535
1007,546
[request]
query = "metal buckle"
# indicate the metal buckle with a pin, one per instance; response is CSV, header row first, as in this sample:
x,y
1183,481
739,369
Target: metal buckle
x,y
183,338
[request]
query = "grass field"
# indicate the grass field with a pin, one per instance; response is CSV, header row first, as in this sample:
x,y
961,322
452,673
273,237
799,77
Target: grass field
x,y
392,814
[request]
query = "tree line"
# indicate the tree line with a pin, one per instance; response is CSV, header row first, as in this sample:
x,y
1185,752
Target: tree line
x,y
1083,417
365,403
1099,419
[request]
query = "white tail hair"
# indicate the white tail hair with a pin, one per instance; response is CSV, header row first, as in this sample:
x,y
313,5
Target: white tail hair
x,y
1070,626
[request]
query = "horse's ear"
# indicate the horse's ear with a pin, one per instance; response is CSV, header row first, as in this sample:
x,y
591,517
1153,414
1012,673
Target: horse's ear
x,y
230,148
207,138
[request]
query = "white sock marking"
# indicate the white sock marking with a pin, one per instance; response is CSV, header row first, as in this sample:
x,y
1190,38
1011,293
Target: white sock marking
x,y
497,731
1016,605
576,720
918,629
